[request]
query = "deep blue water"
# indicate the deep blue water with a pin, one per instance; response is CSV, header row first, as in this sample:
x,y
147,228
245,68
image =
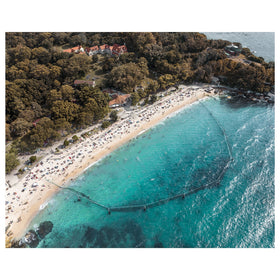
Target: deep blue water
x,y
180,154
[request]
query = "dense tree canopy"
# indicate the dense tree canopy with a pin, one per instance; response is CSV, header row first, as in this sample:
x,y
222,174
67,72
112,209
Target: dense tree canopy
x,y
42,101
126,77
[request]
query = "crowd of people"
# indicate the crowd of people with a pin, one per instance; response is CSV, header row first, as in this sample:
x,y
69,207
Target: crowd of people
x,y
34,187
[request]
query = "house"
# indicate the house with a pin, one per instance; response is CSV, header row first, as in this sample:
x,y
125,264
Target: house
x,y
118,50
83,82
120,100
92,50
77,49
110,50
105,49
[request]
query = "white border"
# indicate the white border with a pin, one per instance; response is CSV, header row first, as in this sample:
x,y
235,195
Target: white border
x,y
108,15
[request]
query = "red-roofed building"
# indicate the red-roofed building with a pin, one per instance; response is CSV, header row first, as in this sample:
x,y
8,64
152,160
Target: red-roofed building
x,y
92,50
120,100
77,49
83,82
105,49
118,50
68,50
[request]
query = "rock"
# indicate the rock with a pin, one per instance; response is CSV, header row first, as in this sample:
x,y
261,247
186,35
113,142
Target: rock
x,y
31,239
44,229
90,234
17,244
7,227
158,244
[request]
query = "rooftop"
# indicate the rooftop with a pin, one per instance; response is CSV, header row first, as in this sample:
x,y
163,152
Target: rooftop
x,y
119,100
79,82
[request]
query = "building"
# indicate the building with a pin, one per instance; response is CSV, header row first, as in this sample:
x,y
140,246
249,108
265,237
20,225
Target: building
x,y
92,50
105,49
120,100
118,50
83,82
77,49
111,92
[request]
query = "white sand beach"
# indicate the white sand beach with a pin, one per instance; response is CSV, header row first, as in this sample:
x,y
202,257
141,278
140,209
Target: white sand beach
x,y
27,194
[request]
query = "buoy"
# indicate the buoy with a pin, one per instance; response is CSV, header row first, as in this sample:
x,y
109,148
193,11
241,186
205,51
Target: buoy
x,y
145,208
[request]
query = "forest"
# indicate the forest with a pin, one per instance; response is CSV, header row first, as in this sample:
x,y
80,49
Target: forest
x,y
42,103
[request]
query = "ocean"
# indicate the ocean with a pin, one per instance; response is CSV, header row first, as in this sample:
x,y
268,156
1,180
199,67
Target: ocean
x,y
260,43
179,155
181,170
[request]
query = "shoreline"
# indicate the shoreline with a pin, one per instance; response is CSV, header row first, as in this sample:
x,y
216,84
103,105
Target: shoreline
x,y
77,159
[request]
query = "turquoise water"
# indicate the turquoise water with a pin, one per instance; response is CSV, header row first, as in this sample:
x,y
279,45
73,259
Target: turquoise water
x,y
182,153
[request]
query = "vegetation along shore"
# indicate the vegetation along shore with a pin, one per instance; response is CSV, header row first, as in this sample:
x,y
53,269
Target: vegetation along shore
x,y
72,98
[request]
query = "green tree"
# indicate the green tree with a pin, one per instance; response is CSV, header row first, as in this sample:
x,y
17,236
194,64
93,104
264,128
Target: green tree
x,y
66,143
67,92
20,127
42,55
14,104
52,96
40,71
91,109
27,115
84,119
32,159
62,124
143,65
11,161
20,171
13,73
166,81
153,86
37,109
134,98
94,58
153,98
55,71
75,138
19,53
108,64
105,124
8,133
76,67
44,131
64,109
114,116
126,77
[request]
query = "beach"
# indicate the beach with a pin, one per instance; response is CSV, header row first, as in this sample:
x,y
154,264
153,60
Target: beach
x,y
27,194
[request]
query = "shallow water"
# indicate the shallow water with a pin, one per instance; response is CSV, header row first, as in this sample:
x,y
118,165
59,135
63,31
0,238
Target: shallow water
x,y
178,155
